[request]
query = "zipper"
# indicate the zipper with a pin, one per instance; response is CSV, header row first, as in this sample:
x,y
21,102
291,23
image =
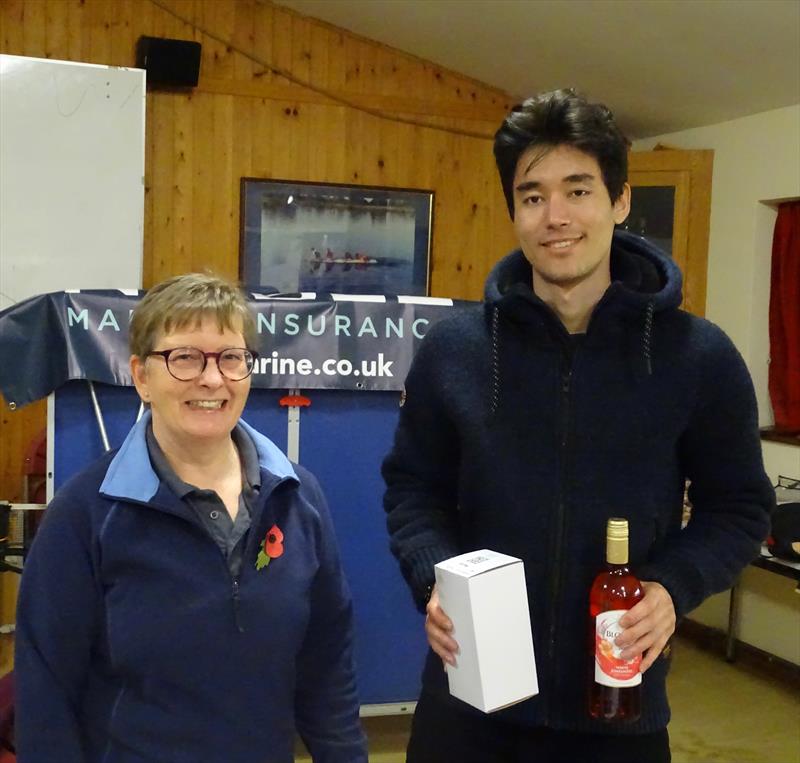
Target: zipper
x,y
236,612
557,537
249,546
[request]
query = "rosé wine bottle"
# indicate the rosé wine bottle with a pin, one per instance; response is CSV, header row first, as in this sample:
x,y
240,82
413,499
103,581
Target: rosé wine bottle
x,y
615,685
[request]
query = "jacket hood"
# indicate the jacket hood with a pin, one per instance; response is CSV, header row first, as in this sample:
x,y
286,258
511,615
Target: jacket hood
x,y
641,275
644,281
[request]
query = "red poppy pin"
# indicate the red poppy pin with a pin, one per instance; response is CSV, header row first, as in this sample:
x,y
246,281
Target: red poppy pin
x,y
271,548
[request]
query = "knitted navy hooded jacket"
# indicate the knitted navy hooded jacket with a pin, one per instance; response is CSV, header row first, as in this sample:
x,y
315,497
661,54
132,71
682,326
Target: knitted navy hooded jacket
x,y
516,439
135,645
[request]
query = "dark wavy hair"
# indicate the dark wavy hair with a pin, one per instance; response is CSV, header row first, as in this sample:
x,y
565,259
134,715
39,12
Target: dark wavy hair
x,y
561,118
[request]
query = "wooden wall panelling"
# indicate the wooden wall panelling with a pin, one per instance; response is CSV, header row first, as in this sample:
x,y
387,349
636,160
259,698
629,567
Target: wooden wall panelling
x,y
11,25
261,138
57,31
212,135
34,29
161,24
447,276
310,137
241,157
20,426
354,140
300,62
96,43
123,43
281,40
243,37
17,430
180,258
305,140
367,135
148,263
332,127
366,57
221,17
204,187
336,75
352,72
470,162
225,203
280,160
74,24
387,160
262,42
8,608
161,173
319,50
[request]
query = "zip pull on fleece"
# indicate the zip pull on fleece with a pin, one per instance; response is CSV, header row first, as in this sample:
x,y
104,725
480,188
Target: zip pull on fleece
x,y
647,336
495,381
235,598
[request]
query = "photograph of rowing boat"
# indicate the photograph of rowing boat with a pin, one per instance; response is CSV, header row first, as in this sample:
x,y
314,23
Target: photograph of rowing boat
x,y
325,238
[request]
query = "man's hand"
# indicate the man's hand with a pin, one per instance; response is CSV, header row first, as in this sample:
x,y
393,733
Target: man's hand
x,y
438,627
648,625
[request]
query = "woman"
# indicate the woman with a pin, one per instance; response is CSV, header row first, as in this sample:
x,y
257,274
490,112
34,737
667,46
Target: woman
x,y
183,601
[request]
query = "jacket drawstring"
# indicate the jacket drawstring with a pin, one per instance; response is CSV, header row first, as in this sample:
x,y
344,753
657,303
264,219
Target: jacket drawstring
x,y
647,335
494,399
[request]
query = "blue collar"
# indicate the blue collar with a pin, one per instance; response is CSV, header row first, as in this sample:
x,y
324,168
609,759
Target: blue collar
x,y
131,476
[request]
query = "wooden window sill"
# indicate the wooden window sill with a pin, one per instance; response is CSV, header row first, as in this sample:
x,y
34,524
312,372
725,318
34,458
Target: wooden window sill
x,y
785,437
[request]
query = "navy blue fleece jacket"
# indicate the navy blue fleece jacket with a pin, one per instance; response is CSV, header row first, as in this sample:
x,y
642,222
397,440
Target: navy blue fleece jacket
x,y
135,645
513,437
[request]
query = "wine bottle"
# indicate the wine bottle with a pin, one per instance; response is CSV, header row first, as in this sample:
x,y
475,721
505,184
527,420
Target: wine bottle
x,y
615,691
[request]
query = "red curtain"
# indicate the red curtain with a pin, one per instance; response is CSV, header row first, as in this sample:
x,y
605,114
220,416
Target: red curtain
x,y
784,319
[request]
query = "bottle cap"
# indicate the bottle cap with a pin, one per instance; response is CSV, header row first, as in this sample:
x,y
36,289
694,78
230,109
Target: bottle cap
x,y
617,528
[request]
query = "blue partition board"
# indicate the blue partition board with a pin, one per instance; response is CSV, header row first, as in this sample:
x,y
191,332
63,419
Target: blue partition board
x,y
344,436
77,440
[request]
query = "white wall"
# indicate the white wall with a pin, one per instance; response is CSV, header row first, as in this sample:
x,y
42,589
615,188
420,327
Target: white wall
x,y
756,164
756,161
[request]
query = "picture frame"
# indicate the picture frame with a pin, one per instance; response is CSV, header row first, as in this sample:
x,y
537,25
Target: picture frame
x,y
299,237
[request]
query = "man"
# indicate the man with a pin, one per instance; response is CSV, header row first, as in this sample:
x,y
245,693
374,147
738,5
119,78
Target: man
x,y
576,392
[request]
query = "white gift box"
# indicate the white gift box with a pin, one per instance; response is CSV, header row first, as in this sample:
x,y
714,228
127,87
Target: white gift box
x,y
483,593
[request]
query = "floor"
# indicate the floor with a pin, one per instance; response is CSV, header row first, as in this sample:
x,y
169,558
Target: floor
x,y
721,713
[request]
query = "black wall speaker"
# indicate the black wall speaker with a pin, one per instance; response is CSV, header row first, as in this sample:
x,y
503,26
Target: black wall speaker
x,y
171,63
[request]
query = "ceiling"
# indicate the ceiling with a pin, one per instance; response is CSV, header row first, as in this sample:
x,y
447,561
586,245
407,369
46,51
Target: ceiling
x,y
660,65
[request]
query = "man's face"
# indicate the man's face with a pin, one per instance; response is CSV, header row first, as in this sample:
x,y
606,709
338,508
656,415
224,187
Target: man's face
x,y
564,217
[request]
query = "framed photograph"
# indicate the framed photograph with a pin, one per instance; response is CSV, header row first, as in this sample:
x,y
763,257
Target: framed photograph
x,y
323,237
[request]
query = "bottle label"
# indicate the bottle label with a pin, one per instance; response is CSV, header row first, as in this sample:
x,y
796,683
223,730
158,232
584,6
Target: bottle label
x,y
609,668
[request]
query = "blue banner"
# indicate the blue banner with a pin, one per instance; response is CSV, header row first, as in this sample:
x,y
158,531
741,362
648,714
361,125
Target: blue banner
x,y
342,342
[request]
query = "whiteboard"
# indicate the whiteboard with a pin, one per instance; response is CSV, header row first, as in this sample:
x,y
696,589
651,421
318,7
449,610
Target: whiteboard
x,y
71,176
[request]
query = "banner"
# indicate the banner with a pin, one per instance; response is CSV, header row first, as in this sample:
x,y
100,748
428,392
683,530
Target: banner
x,y
345,342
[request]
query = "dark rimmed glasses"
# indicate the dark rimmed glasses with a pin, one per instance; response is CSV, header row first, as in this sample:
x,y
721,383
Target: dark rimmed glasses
x,y
187,363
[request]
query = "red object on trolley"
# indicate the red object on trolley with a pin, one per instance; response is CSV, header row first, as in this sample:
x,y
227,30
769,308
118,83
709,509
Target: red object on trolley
x,y
295,400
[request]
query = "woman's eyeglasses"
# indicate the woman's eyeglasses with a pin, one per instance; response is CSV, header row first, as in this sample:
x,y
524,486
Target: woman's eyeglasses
x,y
187,363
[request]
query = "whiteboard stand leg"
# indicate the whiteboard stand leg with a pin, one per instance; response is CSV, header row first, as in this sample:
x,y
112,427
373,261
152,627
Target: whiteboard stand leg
x,y
51,447
98,414
293,431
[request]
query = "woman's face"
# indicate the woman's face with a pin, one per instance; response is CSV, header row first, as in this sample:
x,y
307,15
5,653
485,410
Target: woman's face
x,y
203,409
